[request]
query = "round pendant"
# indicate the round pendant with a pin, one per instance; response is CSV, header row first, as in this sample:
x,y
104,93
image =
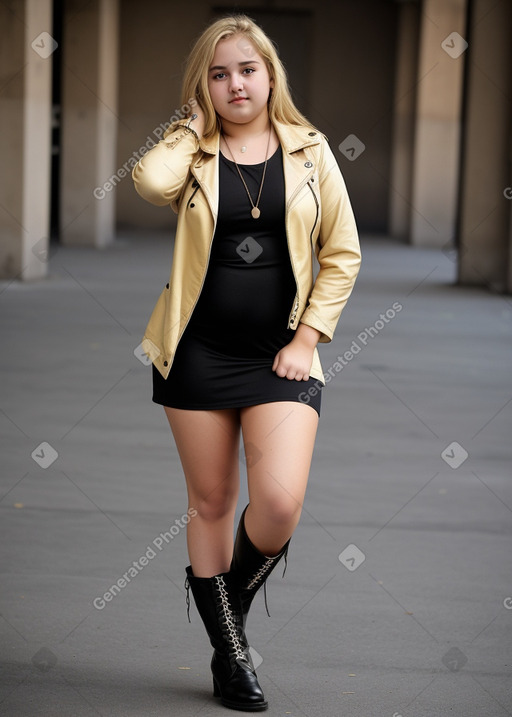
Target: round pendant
x,y
244,149
255,212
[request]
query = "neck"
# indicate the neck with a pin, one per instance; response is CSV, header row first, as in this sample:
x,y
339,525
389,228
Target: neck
x,y
247,130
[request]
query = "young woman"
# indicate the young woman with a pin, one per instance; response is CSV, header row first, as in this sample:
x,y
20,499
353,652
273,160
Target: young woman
x,y
233,336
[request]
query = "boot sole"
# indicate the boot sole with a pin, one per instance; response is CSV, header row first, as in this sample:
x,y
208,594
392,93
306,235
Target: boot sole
x,y
241,706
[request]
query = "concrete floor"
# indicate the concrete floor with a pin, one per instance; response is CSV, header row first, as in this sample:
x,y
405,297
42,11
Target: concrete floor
x,y
397,600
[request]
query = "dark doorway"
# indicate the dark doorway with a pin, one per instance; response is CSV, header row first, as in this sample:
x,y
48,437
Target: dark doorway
x,y
56,122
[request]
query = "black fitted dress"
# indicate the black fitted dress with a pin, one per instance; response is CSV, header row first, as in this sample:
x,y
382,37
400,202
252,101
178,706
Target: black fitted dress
x,y
225,355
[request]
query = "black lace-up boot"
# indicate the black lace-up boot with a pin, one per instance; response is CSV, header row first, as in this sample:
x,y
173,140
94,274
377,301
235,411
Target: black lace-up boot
x,y
234,677
251,568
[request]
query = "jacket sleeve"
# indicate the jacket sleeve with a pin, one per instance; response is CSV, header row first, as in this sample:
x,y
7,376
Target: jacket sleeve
x,y
337,250
159,176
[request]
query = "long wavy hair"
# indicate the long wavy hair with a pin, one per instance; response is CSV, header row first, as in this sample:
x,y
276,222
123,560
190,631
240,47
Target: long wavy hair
x,y
195,81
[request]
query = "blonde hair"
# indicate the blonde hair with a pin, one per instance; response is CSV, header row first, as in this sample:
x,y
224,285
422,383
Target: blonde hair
x,y
281,107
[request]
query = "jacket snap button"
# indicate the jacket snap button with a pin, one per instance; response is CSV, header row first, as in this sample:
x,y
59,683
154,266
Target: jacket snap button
x,y
308,164
165,363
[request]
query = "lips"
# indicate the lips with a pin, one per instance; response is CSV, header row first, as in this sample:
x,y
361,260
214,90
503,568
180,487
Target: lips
x,y
238,100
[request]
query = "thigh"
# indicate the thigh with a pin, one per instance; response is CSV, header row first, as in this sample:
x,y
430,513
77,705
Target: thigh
x,y
208,446
279,440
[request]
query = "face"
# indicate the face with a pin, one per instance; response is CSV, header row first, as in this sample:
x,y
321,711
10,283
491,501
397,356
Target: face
x,y
238,81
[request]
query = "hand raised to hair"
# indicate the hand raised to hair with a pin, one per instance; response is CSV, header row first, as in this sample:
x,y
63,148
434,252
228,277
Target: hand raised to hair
x,y
197,124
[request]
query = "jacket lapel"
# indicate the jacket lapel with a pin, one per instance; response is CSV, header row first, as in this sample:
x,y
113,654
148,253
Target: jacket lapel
x,y
296,165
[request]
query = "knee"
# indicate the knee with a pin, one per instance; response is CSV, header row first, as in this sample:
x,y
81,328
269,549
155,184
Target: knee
x,y
216,505
280,510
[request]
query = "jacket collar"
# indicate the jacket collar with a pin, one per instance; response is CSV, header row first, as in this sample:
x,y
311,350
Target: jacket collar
x,y
291,137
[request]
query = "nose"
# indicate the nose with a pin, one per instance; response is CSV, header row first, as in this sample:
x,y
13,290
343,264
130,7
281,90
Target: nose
x,y
236,84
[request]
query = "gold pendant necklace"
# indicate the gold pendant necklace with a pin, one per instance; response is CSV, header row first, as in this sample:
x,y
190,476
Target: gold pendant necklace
x,y
255,212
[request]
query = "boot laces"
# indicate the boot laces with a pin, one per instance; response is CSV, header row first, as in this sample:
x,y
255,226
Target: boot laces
x,y
229,621
261,573
187,588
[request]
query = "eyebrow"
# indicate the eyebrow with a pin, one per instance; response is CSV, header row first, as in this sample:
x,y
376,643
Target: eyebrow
x,y
245,62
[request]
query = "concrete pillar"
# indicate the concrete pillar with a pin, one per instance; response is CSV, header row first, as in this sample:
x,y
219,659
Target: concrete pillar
x,y
26,48
89,122
485,239
406,65
437,129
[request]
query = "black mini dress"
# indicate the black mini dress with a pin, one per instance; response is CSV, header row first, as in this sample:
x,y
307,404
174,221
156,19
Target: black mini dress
x,y
225,355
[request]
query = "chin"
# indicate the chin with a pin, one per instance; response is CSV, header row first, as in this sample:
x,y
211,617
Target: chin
x,y
241,116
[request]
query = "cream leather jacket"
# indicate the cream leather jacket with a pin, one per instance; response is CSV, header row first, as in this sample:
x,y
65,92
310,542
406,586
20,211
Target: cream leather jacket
x,y
183,172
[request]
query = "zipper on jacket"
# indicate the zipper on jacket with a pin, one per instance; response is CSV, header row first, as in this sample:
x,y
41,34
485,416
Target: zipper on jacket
x,y
296,302
301,185
317,211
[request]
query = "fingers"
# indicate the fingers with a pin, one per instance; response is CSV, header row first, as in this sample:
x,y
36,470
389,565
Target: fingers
x,y
292,363
288,371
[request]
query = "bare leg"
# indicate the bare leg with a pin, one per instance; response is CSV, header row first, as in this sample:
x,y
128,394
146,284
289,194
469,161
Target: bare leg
x,y
208,446
279,440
